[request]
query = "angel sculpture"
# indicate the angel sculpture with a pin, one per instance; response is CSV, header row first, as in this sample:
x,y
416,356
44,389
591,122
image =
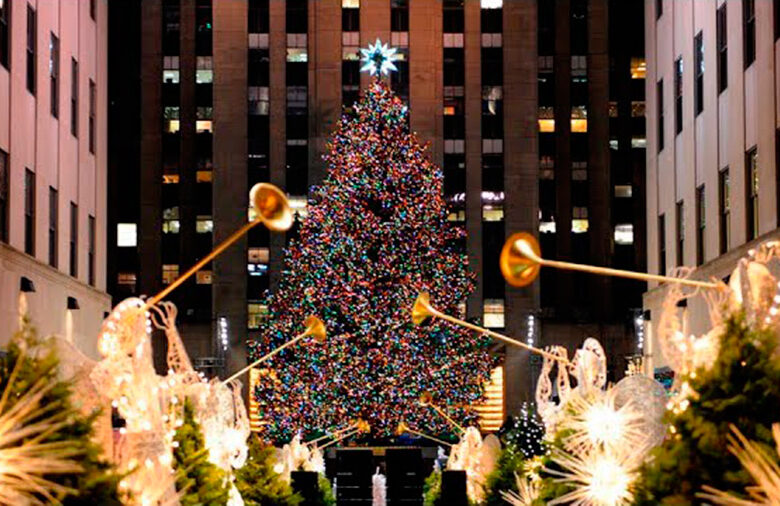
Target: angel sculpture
x,y
478,458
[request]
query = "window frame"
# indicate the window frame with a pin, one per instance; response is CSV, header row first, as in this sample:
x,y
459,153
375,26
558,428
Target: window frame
x,y
698,68
722,47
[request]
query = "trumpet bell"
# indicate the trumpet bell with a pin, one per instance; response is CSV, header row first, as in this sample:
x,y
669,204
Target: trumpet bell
x,y
315,328
401,429
518,269
271,205
363,426
426,398
422,309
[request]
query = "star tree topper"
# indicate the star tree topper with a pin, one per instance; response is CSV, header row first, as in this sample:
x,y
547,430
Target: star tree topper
x,y
378,58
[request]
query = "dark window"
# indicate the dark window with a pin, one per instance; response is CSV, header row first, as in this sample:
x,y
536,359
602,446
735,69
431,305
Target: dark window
x,y
93,9
74,234
5,31
257,71
399,15
698,54
29,212
171,26
723,52
203,27
492,66
92,244
452,16
92,112
578,29
350,20
724,210
751,187
678,95
74,97
31,36
297,16
701,225
53,219
776,12
680,226
749,31
491,20
659,8
54,74
258,16
546,23
662,245
453,66
660,113
4,169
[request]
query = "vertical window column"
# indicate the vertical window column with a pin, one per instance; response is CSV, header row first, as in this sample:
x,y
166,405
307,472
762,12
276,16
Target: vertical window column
x,y
4,170
53,219
29,212
723,52
701,225
74,238
91,253
751,200
724,210
5,34
32,30
350,51
662,245
399,38
680,232
54,75
74,97
453,23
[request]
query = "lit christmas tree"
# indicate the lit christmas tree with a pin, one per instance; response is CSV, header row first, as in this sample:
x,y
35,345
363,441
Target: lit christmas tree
x,y
376,235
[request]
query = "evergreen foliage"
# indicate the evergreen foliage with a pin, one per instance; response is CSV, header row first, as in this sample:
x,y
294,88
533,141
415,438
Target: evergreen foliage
x,y
257,481
99,482
741,388
199,481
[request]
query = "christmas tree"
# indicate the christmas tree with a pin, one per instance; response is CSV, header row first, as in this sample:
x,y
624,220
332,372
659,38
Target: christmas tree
x,y
742,388
257,481
376,235
198,480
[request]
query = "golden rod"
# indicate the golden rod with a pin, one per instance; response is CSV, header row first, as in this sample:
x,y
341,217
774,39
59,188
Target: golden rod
x,y
447,417
524,247
332,434
426,436
267,356
423,308
340,438
208,258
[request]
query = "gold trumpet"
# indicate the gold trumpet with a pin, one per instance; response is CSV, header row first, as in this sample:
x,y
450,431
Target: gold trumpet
x,y
361,426
521,260
404,428
273,210
422,310
314,328
335,433
426,401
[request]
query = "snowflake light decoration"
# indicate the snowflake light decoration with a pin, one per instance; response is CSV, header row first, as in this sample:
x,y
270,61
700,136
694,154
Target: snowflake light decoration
x,y
378,58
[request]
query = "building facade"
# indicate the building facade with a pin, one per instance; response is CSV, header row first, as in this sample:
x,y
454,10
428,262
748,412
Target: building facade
x,y
236,92
53,89
712,140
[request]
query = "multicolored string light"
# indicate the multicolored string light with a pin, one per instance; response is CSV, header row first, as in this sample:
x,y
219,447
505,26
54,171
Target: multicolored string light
x,y
376,235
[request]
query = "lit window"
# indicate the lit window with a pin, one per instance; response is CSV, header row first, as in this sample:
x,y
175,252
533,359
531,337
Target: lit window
x,y
258,100
126,279
297,55
204,73
170,178
494,313
258,41
546,125
298,206
296,40
547,227
457,215
126,235
578,125
492,212
399,39
204,277
613,144
350,39
202,126
546,174
172,126
491,40
639,142
579,67
350,4
350,53
454,146
613,109
204,113
171,69
453,40
258,255
297,97
204,176
492,96
624,233
492,146
204,225
170,224
256,313
638,68
579,222
492,4
169,273
623,191
638,109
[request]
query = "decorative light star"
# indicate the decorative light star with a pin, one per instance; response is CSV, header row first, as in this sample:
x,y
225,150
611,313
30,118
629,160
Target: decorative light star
x,y
378,58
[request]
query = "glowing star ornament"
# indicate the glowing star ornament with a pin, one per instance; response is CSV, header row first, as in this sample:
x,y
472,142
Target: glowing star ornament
x,y
378,59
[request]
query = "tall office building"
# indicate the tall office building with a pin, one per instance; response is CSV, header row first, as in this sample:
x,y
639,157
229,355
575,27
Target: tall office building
x,y
712,140
236,92
53,88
